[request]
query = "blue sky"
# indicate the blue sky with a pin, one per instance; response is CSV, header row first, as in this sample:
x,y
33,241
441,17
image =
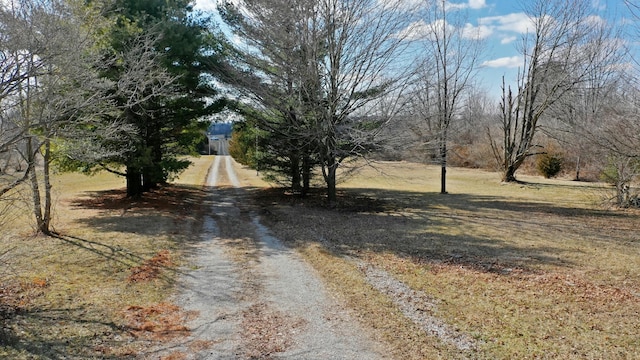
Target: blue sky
x,y
501,24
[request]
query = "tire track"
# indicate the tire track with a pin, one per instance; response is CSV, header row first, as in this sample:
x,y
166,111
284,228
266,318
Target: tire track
x,y
210,289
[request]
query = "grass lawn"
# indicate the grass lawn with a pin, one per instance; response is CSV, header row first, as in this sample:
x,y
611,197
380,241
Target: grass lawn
x,y
537,269
99,290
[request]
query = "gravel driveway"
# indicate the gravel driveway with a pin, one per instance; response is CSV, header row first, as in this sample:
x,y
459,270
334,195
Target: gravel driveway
x,y
252,297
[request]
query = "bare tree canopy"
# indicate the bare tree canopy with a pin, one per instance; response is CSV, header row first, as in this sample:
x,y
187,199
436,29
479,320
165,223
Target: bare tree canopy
x,y
563,49
448,60
49,86
84,87
329,64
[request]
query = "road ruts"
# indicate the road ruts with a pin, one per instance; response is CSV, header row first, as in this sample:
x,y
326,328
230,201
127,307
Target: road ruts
x,y
241,278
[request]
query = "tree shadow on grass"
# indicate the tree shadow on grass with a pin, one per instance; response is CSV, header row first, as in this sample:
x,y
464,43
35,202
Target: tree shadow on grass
x,y
159,212
487,233
45,333
180,208
76,333
174,211
40,330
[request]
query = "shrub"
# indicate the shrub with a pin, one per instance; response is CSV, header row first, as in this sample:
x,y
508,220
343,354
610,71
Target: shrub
x,y
549,165
242,146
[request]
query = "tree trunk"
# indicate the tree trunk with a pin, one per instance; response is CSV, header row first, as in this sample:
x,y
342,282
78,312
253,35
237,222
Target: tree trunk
x,y
330,179
37,203
306,175
41,225
134,183
509,174
622,194
443,165
443,179
153,174
46,219
149,179
296,179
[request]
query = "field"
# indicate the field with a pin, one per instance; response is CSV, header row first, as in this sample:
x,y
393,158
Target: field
x,y
100,289
538,269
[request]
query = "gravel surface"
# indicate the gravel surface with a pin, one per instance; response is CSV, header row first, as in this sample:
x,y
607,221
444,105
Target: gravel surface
x,y
416,306
292,286
267,304
209,292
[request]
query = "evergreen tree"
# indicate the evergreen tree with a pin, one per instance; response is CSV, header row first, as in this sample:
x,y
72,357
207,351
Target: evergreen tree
x,y
182,53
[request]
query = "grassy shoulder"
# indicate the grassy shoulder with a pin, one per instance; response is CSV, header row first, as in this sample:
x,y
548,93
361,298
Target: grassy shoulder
x,y
98,290
531,270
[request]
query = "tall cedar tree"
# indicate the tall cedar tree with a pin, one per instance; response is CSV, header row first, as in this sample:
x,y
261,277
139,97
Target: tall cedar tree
x,y
277,80
166,125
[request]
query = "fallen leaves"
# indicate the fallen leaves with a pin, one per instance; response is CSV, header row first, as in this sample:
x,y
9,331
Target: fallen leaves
x,y
151,268
160,322
267,330
17,296
583,290
10,300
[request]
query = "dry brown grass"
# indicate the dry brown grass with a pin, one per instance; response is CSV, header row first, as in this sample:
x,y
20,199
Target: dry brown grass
x,y
99,289
531,270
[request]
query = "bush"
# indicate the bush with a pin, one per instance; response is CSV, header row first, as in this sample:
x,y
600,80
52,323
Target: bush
x,y
242,146
549,165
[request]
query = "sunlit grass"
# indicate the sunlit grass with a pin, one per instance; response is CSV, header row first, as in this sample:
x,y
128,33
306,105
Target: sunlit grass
x,y
536,269
531,269
70,294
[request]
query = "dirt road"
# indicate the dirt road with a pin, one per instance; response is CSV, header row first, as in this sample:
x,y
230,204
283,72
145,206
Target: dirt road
x,y
251,296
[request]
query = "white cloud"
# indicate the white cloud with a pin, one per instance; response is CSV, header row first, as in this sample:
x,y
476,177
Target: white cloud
x,y
598,5
477,4
508,40
452,6
595,20
515,22
470,4
415,31
476,32
504,62
410,6
205,5
421,30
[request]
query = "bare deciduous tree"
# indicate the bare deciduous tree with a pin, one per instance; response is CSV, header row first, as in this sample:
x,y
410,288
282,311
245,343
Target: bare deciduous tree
x,y
560,51
324,66
450,61
58,86
365,41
